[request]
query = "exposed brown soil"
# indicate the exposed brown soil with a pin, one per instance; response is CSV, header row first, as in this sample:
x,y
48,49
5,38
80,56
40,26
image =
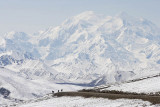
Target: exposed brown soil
x,y
154,99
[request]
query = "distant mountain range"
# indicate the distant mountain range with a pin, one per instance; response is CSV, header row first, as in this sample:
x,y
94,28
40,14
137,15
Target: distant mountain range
x,y
89,48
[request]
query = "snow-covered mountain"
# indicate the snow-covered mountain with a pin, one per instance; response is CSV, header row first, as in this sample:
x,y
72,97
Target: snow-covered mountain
x,y
89,48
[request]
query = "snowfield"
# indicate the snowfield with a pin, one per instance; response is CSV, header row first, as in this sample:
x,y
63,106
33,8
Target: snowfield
x,y
150,85
88,102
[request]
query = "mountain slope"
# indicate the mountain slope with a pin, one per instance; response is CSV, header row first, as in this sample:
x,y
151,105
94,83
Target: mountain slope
x,y
147,85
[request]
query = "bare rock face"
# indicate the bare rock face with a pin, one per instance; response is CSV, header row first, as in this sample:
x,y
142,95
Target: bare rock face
x,y
4,92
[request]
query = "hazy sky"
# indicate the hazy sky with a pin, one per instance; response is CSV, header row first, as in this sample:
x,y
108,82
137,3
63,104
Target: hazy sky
x,y
34,15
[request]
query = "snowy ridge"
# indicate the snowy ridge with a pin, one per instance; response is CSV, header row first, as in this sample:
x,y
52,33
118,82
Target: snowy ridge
x,y
145,85
103,87
26,88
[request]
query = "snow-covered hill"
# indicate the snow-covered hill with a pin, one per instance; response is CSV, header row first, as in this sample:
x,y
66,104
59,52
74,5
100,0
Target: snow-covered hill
x,y
88,102
148,85
23,88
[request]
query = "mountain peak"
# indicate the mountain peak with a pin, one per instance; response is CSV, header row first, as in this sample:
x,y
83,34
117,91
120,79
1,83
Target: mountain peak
x,y
86,13
85,18
125,16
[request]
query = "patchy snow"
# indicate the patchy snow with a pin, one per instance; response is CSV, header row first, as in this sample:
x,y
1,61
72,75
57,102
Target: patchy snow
x,y
88,102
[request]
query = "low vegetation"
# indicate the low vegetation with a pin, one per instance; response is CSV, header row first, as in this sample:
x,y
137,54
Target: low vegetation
x,y
119,92
154,98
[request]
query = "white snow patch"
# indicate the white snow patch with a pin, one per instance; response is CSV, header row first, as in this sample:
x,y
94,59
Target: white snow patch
x,y
88,102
